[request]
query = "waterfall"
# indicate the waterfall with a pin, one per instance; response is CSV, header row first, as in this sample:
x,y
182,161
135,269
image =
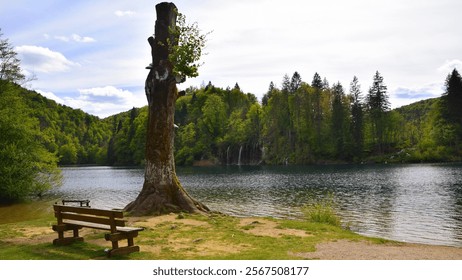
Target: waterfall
x,y
227,155
239,158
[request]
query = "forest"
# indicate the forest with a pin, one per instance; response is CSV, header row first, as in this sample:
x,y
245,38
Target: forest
x,y
299,123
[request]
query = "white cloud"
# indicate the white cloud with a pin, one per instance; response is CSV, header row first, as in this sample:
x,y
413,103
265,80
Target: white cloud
x,y
402,96
449,65
40,59
124,13
51,95
107,91
75,38
337,39
104,101
99,101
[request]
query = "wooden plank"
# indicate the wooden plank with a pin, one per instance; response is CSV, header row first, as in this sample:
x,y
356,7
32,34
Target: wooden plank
x,y
129,229
100,226
83,203
87,224
65,227
92,219
89,211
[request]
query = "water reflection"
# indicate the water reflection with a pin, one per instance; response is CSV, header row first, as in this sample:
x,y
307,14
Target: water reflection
x,y
414,203
105,187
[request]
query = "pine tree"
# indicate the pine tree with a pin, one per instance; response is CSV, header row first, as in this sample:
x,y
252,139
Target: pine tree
x,y
452,98
295,82
317,84
338,118
357,117
267,96
378,105
285,84
317,81
377,99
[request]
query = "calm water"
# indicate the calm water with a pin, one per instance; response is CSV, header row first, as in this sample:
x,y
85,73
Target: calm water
x,y
413,203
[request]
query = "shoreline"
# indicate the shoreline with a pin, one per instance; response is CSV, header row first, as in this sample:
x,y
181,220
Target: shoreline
x,y
214,237
361,248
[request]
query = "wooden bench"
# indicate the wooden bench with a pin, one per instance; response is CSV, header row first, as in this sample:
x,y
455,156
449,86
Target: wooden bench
x,y
83,203
75,218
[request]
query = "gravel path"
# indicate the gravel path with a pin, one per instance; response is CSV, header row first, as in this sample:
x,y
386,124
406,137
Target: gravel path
x,y
349,250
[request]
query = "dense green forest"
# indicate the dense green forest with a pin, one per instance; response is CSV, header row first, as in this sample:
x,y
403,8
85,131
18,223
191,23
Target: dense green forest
x,y
299,123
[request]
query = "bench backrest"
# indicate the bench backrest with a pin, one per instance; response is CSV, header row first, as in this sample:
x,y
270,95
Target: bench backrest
x,y
99,216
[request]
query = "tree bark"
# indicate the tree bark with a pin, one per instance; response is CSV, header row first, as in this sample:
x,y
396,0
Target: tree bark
x,y
162,192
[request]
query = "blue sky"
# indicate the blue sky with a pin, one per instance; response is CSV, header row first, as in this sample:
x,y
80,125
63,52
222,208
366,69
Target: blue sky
x,y
91,54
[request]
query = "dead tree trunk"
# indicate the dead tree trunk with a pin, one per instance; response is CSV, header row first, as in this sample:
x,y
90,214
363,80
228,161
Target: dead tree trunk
x,y
162,191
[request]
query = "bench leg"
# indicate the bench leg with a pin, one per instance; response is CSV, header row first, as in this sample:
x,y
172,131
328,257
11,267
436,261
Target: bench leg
x,y
60,234
116,237
115,244
62,240
76,232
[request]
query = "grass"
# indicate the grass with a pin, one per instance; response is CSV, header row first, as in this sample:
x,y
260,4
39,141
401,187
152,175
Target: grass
x,y
172,237
322,211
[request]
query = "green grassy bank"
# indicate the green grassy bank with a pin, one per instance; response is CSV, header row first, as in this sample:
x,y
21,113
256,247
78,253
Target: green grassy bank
x,y
184,236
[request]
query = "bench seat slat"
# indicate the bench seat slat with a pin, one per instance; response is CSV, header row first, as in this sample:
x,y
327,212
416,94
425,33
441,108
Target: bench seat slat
x,y
89,211
92,219
100,226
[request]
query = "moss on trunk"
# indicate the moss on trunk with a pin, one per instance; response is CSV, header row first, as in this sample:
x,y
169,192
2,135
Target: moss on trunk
x,y
162,191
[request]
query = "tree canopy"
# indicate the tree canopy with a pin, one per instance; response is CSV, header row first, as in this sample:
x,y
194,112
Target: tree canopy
x,y
297,123
10,65
26,167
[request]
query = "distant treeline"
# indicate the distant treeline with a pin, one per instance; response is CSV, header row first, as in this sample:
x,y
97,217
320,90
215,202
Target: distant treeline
x,y
302,123
298,123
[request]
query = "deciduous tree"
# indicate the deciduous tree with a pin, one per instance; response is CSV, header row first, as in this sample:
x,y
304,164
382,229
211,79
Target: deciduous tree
x,y
162,191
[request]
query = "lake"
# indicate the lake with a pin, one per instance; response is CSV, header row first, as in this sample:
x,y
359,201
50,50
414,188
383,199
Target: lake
x,y
419,203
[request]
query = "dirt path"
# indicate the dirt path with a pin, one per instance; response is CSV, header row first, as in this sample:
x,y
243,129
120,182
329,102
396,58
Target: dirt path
x,y
362,250
337,250
334,250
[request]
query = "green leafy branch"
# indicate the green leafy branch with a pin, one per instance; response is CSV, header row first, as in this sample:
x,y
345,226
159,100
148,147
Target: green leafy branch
x,y
186,54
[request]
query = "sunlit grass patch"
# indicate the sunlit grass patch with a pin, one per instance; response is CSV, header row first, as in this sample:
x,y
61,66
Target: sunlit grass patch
x,y
322,211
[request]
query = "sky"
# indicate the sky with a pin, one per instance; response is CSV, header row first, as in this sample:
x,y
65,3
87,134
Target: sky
x,y
92,54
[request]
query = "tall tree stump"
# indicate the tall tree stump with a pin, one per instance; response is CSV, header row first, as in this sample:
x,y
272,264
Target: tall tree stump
x,y
162,192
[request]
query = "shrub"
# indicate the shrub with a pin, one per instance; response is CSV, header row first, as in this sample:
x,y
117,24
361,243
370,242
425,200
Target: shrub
x,y
322,211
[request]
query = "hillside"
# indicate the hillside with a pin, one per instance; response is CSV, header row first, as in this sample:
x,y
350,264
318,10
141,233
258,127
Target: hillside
x,y
75,136
418,110
227,126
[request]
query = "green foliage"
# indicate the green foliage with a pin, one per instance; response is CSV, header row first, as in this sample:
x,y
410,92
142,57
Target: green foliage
x,y
299,123
322,211
377,108
357,118
10,65
73,135
27,168
186,52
